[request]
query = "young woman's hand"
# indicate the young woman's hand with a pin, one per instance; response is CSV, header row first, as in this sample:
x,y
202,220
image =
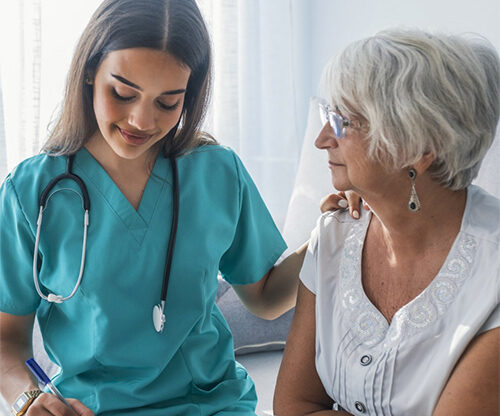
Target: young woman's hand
x,y
343,200
48,404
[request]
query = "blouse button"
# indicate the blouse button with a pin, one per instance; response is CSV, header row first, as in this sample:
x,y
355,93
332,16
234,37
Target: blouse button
x,y
360,407
366,359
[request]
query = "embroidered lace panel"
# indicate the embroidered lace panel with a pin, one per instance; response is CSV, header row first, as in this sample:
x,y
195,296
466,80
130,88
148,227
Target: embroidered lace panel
x,y
369,325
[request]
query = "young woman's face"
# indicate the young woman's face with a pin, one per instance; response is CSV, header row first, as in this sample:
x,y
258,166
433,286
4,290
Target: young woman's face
x,y
138,98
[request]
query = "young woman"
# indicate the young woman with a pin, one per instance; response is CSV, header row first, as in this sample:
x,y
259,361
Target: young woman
x,y
119,258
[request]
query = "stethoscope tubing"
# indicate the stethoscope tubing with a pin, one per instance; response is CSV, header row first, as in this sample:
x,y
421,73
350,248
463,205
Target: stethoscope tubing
x,y
173,229
53,297
159,310
67,175
44,198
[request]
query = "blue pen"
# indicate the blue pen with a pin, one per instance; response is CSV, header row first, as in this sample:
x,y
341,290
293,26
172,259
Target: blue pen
x,y
44,380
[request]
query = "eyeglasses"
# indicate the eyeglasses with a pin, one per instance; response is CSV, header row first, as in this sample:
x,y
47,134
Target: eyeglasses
x,y
336,120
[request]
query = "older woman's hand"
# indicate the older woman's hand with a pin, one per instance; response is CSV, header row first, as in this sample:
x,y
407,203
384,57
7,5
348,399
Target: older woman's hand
x,y
343,200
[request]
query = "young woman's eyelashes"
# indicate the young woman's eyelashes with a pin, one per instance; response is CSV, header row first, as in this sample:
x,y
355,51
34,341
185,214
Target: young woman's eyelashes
x,y
160,104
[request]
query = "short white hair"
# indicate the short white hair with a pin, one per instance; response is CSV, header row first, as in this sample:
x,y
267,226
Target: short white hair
x,y
421,93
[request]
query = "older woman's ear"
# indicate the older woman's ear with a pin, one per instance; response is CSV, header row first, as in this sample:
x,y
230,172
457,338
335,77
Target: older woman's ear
x,y
424,163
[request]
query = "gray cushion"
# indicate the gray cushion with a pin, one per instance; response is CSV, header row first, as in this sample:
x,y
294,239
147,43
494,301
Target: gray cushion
x,y
251,334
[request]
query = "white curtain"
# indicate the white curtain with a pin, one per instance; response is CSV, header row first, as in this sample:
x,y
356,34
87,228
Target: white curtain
x,y
260,96
3,144
20,72
37,39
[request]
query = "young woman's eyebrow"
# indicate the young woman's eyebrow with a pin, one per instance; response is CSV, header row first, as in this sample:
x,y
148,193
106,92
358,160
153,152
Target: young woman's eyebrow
x,y
131,84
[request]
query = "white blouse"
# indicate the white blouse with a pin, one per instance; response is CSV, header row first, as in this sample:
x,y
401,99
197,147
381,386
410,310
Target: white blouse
x,y
369,366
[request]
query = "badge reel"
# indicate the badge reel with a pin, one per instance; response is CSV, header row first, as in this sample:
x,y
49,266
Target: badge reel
x,y
159,316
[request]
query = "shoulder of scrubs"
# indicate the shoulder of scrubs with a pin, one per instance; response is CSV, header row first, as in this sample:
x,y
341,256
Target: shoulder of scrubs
x,y
257,244
325,244
19,195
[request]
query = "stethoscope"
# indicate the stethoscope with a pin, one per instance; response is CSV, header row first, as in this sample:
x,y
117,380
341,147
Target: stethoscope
x,y
159,309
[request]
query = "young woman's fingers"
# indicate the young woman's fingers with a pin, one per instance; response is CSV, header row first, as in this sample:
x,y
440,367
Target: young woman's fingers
x,y
354,203
80,408
333,202
48,404
38,411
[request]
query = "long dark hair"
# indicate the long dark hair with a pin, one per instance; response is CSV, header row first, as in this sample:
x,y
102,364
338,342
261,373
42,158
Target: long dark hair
x,y
173,26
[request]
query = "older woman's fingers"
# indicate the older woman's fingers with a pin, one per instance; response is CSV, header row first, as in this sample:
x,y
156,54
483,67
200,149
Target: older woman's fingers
x,y
333,202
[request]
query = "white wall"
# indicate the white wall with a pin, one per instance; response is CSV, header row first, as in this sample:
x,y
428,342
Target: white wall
x,y
337,23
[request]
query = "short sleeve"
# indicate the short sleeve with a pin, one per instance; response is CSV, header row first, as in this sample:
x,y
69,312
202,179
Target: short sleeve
x,y
308,273
17,292
492,322
257,244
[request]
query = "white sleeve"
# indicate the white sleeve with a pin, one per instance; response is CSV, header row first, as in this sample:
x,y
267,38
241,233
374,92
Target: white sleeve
x,y
325,247
308,273
492,322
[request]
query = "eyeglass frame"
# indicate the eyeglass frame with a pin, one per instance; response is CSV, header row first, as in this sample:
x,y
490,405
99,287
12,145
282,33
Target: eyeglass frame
x,y
337,121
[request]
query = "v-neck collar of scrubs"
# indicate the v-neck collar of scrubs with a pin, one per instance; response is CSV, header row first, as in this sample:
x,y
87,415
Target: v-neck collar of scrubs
x,y
136,221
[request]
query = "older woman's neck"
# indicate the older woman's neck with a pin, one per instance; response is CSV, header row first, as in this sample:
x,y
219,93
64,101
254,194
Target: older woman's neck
x,y
438,220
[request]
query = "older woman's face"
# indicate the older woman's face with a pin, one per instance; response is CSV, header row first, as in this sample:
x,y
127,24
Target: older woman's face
x,y
348,161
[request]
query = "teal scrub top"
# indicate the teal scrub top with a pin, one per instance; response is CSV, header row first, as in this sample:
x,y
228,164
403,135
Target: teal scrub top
x,y
103,338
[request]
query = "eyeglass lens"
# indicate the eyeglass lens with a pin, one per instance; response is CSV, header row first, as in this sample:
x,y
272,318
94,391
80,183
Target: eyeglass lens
x,y
336,121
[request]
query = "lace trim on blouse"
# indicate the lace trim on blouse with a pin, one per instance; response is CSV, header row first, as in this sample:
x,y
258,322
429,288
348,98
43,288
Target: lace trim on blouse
x,y
368,324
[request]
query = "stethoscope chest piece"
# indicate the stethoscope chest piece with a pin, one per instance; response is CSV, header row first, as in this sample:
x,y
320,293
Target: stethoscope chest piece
x,y
159,316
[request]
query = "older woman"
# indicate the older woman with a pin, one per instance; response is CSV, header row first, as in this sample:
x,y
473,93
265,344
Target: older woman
x,y
398,312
